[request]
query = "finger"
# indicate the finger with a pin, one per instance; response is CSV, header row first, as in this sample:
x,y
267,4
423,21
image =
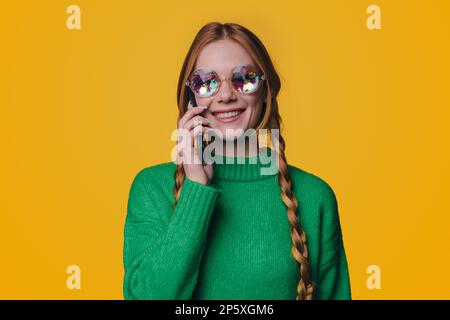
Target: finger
x,y
189,114
195,121
196,137
196,110
198,130
189,149
181,120
187,138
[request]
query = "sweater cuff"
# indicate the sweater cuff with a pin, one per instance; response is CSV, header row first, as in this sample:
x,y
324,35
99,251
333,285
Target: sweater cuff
x,y
195,206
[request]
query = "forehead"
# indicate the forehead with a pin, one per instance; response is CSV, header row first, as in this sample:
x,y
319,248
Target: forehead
x,y
223,56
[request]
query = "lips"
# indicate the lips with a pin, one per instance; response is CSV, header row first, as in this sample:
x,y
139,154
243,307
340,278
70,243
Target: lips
x,y
228,115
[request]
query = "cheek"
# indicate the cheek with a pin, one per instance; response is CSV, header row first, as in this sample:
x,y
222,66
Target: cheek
x,y
255,111
204,101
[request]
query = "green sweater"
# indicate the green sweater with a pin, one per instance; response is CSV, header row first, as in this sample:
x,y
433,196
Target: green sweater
x,y
229,239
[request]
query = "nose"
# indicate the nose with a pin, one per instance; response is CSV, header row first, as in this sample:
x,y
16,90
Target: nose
x,y
226,92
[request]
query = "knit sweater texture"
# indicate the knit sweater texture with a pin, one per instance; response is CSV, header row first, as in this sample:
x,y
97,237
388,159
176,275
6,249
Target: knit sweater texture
x,y
229,239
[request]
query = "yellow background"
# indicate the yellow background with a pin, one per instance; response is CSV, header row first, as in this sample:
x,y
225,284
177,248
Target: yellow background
x,y
82,111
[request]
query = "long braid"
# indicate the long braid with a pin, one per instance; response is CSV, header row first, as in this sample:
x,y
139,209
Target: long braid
x,y
305,288
179,176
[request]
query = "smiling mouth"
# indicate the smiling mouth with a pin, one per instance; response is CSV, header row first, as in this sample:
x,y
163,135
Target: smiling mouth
x,y
228,115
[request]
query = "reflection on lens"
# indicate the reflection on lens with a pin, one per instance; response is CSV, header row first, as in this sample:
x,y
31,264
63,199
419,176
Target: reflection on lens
x,y
208,88
204,82
245,79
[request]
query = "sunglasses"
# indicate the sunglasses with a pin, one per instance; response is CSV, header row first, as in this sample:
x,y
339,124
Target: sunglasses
x,y
205,82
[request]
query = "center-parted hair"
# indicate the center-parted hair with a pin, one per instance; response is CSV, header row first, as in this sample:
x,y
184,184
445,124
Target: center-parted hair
x,y
269,119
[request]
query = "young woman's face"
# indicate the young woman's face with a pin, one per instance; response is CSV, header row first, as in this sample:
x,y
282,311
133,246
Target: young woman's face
x,y
223,56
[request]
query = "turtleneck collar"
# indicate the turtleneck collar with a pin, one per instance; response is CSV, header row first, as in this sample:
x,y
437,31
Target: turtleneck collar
x,y
245,168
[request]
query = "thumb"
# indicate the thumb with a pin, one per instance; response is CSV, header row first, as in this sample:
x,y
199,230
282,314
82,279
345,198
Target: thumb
x,y
208,170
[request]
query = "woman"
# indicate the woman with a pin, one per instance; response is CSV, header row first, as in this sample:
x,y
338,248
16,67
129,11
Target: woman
x,y
225,230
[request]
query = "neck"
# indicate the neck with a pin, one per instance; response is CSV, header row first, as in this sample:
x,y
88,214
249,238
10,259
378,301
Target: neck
x,y
240,168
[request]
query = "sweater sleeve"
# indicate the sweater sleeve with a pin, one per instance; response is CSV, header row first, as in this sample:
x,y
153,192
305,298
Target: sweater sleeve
x,y
333,277
161,260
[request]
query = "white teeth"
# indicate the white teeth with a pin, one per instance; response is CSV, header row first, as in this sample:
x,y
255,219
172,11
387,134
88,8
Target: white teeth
x,y
223,115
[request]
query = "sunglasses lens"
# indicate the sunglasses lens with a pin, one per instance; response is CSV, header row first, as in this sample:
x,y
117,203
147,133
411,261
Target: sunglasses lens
x,y
246,79
204,82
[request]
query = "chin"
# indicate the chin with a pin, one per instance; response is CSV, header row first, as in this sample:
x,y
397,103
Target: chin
x,y
232,137
240,123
